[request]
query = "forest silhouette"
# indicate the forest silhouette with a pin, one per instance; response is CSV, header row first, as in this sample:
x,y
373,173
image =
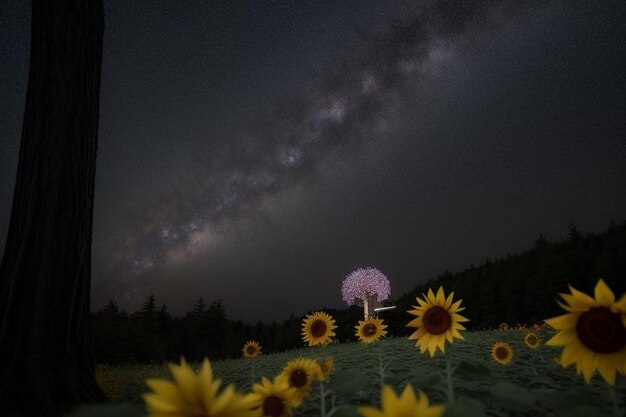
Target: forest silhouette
x,y
519,288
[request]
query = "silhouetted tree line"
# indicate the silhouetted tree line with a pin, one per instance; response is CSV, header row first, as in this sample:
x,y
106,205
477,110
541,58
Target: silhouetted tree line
x,y
519,288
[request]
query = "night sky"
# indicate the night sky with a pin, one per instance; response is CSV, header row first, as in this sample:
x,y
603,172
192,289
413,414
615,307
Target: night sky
x,y
258,152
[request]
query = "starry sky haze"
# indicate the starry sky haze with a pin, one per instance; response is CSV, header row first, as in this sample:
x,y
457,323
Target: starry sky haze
x,y
258,152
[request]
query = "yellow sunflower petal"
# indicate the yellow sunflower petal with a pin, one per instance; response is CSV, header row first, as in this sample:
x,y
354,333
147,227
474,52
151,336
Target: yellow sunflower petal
x,y
223,400
582,298
209,394
425,338
577,304
588,365
564,306
564,337
422,401
458,326
432,346
607,371
407,398
571,353
456,333
422,303
431,297
440,297
565,321
620,306
154,402
165,389
603,294
459,318
441,342
206,375
455,307
186,379
388,397
414,335
416,322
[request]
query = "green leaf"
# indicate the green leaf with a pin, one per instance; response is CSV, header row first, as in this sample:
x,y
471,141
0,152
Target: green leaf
x,y
512,396
465,407
473,371
583,411
426,377
108,410
348,411
348,382
568,400
575,403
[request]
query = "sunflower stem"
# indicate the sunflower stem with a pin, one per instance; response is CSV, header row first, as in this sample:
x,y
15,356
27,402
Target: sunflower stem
x,y
322,391
322,400
449,377
533,357
380,367
252,373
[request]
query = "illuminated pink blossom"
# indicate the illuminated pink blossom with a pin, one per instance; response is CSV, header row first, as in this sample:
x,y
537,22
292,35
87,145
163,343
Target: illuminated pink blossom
x,y
363,283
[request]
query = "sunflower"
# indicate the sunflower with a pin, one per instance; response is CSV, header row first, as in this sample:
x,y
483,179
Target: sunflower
x,y
532,340
437,321
502,353
593,332
251,349
403,405
300,373
274,399
370,330
504,326
317,328
326,367
195,395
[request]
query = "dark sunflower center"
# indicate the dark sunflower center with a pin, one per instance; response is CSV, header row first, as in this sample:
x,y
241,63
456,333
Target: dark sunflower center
x,y
298,378
369,330
318,328
273,406
502,352
532,339
601,330
437,320
250,350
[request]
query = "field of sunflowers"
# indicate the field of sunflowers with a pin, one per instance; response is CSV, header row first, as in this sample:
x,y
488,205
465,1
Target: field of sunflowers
x,y
573,365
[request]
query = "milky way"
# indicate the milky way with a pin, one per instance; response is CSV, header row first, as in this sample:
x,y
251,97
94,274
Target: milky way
x,y
340,109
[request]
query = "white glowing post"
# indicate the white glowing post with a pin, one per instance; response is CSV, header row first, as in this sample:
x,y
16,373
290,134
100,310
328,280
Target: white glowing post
x,y
384,308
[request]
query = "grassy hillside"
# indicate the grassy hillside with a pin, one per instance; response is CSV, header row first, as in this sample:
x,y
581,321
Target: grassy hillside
x,y
531,385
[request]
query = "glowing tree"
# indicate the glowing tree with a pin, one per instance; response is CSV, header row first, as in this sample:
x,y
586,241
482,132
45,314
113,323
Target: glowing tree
x,y
366,287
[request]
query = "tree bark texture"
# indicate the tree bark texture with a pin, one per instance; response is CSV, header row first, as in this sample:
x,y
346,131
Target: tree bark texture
x,y
46,365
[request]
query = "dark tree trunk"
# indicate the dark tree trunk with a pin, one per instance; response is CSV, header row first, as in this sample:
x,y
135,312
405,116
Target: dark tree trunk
x,y
46,365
